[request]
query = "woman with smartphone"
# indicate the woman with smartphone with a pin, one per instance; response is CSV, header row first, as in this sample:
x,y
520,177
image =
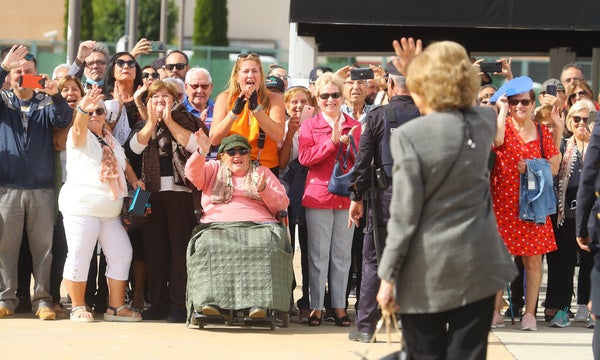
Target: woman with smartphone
x,y
249,109
90,201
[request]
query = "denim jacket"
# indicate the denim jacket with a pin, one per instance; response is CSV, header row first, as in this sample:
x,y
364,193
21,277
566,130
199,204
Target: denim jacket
x,y
537,199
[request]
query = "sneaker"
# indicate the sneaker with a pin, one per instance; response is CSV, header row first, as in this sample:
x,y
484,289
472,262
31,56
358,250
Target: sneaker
x,y
590,324
528,323
45,313
257,312
582,313
497,321
560,320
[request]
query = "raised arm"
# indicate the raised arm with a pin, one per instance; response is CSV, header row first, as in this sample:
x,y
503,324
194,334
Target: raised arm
x,y
88,104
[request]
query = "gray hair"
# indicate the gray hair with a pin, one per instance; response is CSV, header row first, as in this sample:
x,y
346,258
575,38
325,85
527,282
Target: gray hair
x,y
399,80
197,70
101,48
59,68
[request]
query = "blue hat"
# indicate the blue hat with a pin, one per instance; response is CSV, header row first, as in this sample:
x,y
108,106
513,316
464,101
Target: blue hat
x,y
516,86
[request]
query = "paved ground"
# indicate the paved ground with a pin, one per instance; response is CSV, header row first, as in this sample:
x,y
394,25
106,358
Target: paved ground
x,y
24,337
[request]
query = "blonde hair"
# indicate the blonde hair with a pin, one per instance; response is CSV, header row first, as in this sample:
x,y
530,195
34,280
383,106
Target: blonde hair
x,y
578,84
233,88
328,78
444,77
158,85
299,89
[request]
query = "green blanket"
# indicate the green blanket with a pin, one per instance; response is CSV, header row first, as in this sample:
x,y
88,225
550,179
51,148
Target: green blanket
x,y
239,265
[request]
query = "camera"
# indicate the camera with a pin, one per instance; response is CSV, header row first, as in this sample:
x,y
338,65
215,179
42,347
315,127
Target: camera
x,y
158,46
361,74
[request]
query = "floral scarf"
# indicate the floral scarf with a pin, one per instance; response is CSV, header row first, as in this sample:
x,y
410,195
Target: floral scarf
x,y
564,174
222,191
109,168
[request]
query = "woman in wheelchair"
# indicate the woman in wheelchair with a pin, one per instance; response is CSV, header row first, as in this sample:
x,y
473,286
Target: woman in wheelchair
x,y
239,257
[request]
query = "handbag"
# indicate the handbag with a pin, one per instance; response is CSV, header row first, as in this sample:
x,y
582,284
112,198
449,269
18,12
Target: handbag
x,y
341,176
135,210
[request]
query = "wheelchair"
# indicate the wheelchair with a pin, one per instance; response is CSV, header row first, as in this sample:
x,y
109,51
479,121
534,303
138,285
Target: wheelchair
x,y
235,266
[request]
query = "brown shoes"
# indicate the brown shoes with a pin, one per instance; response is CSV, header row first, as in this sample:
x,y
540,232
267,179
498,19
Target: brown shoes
x,y
4,312
45,313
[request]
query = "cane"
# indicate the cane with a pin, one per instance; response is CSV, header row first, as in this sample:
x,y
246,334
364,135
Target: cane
x,y
510,306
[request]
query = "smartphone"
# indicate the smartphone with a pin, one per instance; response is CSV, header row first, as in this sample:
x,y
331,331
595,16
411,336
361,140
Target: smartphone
x,y
158,46
28,81
307,112
551,90
491,67
139,202
361,74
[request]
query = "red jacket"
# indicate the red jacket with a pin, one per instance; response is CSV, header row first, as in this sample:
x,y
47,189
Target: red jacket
x,y
317,151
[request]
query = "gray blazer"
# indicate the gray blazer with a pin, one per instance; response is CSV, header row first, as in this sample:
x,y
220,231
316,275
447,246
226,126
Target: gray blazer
x,y
443,249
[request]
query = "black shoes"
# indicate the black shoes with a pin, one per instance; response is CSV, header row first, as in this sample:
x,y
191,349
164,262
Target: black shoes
x,y
24,305
362,337
155,313
177,315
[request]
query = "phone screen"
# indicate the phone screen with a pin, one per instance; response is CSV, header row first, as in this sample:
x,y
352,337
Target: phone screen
x,y
307,112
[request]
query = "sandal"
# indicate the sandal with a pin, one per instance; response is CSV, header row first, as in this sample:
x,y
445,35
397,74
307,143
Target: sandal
x,y
315,320
342,321
134,317
81,314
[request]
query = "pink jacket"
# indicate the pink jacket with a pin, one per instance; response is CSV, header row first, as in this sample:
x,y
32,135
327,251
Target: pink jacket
x,y
317,151
203,173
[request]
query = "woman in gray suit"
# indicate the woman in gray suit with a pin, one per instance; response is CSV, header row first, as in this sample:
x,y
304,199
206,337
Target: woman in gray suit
x,y
444,259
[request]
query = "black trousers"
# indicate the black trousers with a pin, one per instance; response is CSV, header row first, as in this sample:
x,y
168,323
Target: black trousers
x,y
458,334
561,265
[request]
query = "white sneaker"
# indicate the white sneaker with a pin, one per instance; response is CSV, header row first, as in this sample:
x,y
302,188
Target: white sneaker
x,y
582,313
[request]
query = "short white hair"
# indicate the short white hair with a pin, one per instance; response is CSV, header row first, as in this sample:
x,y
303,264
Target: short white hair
x,y
197,70
60,68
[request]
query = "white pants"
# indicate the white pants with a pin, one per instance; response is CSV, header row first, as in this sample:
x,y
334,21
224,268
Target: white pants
x,y
329,250
82,233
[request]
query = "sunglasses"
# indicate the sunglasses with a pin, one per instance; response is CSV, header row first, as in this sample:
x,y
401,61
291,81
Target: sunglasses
x,y
282,77
335,95
96,62
196,86
28,57
252,54
232,152
580,93
515,102
152,75
577,119
178,66
99,112
121,63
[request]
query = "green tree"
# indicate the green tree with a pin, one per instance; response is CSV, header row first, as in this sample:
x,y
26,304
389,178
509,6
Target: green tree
x,y
109,19
210,23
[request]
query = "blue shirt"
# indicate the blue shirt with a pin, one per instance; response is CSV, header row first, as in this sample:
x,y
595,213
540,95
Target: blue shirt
x,y
211,106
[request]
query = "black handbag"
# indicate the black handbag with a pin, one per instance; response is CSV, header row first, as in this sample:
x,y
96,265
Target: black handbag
x,y
341,176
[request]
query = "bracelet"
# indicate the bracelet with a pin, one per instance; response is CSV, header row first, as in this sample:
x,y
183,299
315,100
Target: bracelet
x,y
82,112
5,67
232,116
200,151
257,109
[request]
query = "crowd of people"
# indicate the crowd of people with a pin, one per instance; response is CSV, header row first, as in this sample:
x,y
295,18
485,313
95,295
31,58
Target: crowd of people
x,y
423,191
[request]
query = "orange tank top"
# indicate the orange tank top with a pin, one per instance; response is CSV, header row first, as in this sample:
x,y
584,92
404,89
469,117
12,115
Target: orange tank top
x,y
247,125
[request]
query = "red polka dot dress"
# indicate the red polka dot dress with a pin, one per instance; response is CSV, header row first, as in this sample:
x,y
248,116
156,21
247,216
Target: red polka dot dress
x,y
521,237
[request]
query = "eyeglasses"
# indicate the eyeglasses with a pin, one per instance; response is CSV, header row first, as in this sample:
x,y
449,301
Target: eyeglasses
x,y
252,54
577,119
121,63
515,102
178,66
232,152
146,75
96,62
580,93
282,77
99,112
335,95
196,86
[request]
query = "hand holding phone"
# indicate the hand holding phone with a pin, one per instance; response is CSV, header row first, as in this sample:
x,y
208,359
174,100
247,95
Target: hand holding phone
x,y
551,90
29,81
158,46
307,112
493,67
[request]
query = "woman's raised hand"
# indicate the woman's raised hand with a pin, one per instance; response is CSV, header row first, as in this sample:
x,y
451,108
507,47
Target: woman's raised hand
x,y
203,141
90,102
406,49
